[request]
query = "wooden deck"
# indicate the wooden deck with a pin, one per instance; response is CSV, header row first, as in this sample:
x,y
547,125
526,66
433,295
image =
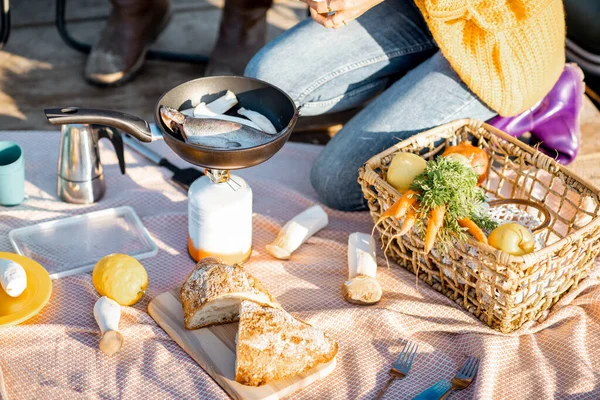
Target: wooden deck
x,y
37,70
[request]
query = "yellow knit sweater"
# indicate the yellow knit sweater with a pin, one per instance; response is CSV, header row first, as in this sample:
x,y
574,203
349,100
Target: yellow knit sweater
x,y
509,52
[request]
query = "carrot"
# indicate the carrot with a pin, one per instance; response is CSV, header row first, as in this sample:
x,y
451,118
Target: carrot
x,y
399,208
409,221
473,229
436,220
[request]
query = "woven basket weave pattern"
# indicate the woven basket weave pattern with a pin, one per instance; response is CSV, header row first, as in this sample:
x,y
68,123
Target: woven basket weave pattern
x,y
502,290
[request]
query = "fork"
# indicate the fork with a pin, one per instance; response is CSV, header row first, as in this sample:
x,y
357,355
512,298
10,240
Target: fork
x,y
442,389
401,366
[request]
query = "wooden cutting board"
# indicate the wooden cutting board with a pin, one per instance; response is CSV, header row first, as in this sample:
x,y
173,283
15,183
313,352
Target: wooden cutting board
x,y
213,349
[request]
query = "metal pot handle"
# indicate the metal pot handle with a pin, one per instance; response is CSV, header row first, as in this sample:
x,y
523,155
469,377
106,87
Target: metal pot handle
x,y
133,125
112,134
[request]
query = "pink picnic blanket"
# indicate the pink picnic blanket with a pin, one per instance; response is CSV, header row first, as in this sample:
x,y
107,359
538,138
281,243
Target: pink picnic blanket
x,y
55,355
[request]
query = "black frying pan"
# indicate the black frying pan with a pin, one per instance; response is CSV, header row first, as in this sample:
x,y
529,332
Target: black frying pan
x,y
251,93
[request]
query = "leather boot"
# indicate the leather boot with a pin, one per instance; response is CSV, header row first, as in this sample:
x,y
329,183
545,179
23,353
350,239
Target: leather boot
x,y
553,122
133,25
241,34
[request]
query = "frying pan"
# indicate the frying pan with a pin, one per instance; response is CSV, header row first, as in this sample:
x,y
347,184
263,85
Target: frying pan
x,y
252,94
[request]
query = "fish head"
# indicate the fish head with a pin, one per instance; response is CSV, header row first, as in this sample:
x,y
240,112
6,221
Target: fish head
x,y
172,118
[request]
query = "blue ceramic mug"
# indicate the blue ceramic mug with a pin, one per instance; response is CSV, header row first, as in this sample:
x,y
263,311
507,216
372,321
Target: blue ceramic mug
x,y
12,174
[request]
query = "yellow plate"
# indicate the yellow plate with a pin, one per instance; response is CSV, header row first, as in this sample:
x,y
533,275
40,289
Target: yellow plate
x,y
14,310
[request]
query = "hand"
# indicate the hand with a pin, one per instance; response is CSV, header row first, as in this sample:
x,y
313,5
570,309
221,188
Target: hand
x,y
345,11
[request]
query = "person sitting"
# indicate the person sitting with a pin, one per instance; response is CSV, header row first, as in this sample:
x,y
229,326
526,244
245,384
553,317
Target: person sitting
x,y
415,65
133,25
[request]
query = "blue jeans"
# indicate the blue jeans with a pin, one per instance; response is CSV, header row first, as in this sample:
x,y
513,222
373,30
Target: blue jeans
x,y
387,57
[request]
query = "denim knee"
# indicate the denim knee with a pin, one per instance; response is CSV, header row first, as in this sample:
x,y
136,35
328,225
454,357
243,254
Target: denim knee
x,y
267,66
336,186
254,65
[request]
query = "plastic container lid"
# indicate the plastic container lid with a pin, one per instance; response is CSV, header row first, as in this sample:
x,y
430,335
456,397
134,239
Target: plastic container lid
x,y
74,245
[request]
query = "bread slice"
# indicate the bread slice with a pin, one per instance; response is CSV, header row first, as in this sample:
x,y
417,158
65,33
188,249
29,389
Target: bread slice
x,y
213,291
271,344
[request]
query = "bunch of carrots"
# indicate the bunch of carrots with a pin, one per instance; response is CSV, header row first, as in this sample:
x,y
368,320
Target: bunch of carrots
x,y
446,195
407,207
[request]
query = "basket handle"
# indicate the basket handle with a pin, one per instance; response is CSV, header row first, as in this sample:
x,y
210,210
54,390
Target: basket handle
x,y
533,204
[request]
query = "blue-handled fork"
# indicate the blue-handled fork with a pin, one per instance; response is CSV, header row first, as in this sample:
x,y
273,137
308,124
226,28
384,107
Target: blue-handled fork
x,y
442,389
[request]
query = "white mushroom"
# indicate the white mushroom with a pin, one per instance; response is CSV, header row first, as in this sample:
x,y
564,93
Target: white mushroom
x,y
218,106
361,255
13,278
223,103
362,290
297,231
108,314
258,119
202,111
362,286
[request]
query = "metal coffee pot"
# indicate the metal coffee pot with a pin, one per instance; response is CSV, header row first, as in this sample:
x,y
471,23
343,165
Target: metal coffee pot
x,y
80,173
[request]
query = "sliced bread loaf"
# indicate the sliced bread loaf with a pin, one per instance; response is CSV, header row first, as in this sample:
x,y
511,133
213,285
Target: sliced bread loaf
x,y
272,344
212,293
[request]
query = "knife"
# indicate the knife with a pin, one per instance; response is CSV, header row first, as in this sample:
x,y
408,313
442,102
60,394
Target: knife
x,y
182,177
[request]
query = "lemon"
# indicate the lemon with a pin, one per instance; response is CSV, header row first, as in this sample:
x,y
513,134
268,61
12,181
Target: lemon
x,y
121,278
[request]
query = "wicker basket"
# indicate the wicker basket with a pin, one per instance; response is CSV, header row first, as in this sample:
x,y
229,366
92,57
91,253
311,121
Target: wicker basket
x,y
502,290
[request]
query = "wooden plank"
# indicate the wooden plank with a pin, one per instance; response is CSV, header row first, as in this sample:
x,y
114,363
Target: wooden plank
x,y
37,74
590,128
587,161
42,12
213,349
52,75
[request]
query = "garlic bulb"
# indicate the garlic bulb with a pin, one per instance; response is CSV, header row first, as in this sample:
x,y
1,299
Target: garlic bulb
x,y
13,278
297,231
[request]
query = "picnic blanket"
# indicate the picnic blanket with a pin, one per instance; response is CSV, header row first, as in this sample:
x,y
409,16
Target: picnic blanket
x,y
55,354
